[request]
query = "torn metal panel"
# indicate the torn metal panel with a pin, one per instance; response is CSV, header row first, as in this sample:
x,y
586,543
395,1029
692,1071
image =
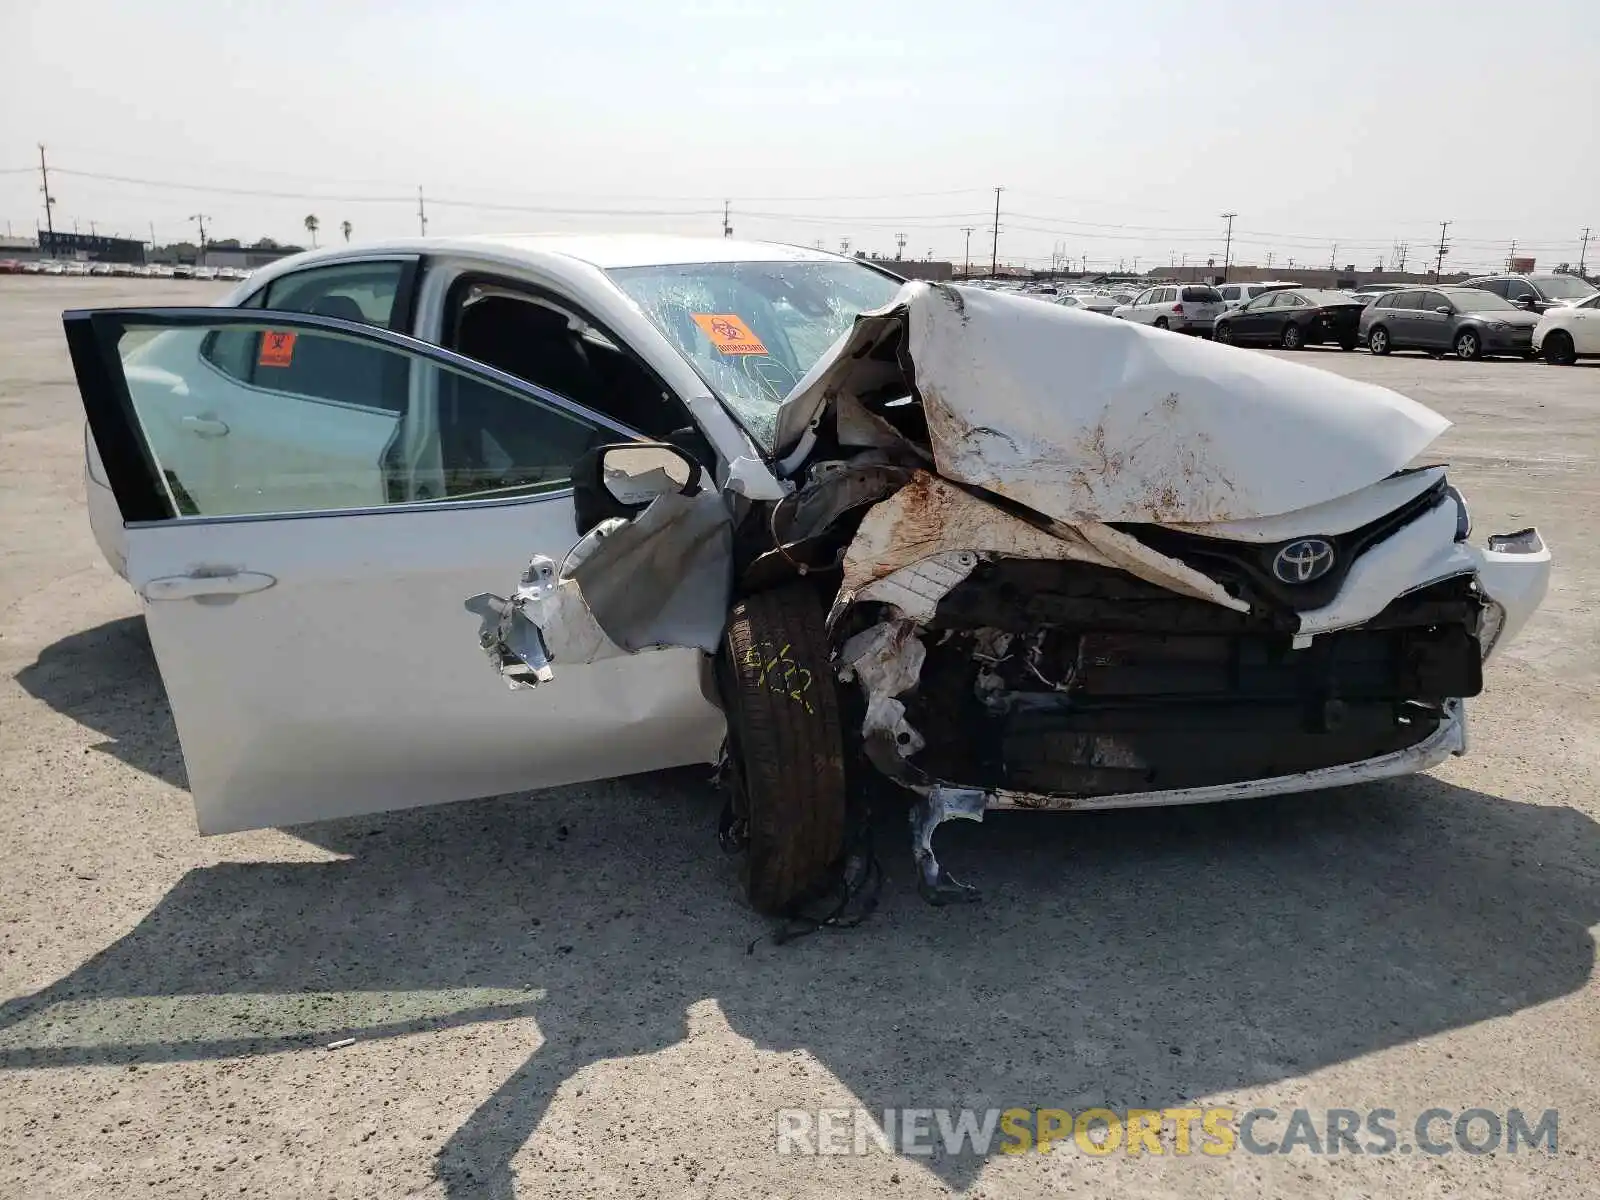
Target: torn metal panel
x,y
664,578
916,590
930,517
833,489
939,804
886,662
1089,420
931,521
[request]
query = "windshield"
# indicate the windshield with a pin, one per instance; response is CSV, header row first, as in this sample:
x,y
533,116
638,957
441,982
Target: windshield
x,y
1564,287
1472,300
753,329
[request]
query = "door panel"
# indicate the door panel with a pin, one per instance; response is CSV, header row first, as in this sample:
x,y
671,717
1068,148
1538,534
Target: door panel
x,y
318,655
354,682
1432,327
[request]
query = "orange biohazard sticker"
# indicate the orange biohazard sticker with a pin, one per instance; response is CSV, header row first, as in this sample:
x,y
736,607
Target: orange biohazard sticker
x,y
277,349
728,333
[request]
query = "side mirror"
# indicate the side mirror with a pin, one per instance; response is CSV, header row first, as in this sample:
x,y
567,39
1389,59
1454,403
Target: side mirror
x,y
1525,300
636,475
621,479
1444,310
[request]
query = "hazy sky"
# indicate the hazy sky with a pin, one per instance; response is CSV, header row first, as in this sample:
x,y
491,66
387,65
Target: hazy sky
x,y
1119,128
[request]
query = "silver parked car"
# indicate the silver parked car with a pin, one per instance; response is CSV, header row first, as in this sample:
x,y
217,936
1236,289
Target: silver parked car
x,y
1470,322
1182,308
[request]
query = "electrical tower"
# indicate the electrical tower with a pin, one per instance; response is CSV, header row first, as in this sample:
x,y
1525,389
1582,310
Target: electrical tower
x,y
900,240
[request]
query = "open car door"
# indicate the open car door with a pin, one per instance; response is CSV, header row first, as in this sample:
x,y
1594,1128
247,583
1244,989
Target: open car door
x,y
307,501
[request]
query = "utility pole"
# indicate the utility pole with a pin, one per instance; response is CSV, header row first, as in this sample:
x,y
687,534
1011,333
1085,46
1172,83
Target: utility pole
x,y
1227,250
200,255
1333,259
1269,260
1401,250
49,201
152,237
1511,256
727,210
93,232
900,240
969,230
422,214
1438,266
994,257
1583,252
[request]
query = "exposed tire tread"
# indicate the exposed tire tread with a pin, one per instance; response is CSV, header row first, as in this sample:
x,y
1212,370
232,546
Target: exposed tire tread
x,y
783,711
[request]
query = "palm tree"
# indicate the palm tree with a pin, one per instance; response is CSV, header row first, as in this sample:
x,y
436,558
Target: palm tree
x,y
312,225
345,227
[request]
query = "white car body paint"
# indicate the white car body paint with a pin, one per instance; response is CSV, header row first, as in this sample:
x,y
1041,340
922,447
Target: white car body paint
x,y
1086,420
1082,420
1335,516
1581,322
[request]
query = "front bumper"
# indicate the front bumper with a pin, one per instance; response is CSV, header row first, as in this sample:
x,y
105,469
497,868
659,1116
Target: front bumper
x,y
1508,340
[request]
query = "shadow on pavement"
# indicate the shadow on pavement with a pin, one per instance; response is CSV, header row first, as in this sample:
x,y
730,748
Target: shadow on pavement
x,y
1124,959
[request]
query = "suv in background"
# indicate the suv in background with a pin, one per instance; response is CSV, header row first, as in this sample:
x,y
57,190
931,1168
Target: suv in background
x,y
1237,295
1543,291
1180,307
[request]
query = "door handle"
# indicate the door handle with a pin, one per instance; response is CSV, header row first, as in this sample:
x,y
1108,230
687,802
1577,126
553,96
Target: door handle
x,y
196,586
206,427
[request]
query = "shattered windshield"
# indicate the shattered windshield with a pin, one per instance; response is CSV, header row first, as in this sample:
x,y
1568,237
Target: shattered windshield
x,y
753,329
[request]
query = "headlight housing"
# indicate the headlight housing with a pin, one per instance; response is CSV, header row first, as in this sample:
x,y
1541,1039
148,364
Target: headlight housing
x,y
1500,325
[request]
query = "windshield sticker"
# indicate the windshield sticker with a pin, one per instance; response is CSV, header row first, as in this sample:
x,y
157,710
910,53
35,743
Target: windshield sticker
x,y
277,349
728,333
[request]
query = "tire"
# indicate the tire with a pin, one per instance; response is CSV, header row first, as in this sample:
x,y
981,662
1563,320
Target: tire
x,y
785,742
1347,343
1292,337
1161,323
1469,345
1223,333
1378,340
1558,349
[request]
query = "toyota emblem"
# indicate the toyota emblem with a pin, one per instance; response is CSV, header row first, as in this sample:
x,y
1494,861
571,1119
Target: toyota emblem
x,y
1304,560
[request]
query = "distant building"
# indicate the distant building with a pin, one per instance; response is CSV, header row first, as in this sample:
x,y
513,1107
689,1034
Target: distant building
x,y
89,248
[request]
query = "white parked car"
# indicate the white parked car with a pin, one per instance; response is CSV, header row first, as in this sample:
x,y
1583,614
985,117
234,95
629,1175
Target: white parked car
x,y
1567,333
1180,307
742,476
1237,295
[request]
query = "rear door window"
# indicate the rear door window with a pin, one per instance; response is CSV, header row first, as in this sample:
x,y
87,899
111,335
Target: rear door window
x,y
1202,295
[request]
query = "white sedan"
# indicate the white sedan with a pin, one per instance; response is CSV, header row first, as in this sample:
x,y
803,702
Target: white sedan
x,y
1068,563
1567,333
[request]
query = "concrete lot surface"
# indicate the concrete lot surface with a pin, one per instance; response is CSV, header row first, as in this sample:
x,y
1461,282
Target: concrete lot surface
x,y
551,994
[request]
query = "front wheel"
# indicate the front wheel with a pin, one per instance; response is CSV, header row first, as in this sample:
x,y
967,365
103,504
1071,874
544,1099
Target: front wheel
x,y
785,743
1558,348
1292,338
1468,345
1378,340
1223,333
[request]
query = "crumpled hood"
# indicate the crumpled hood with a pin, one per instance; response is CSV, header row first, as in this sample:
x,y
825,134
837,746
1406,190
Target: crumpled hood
x,y
1088,419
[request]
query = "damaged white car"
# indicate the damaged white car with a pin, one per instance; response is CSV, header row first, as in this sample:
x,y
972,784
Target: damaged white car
x,y
828,528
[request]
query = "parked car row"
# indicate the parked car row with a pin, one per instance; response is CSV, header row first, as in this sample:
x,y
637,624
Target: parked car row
x,y
49,266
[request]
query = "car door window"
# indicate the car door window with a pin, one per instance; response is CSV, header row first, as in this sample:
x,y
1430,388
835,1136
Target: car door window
x,y
1230,293
1433,300
496,322
1408,300
363,292
1500,287
311,426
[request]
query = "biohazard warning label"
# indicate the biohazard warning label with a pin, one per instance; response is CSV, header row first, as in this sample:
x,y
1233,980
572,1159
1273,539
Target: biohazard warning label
x,y
728,333
277,349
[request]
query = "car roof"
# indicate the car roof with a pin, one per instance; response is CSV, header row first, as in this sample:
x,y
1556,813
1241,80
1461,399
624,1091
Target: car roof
x,y
603,250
